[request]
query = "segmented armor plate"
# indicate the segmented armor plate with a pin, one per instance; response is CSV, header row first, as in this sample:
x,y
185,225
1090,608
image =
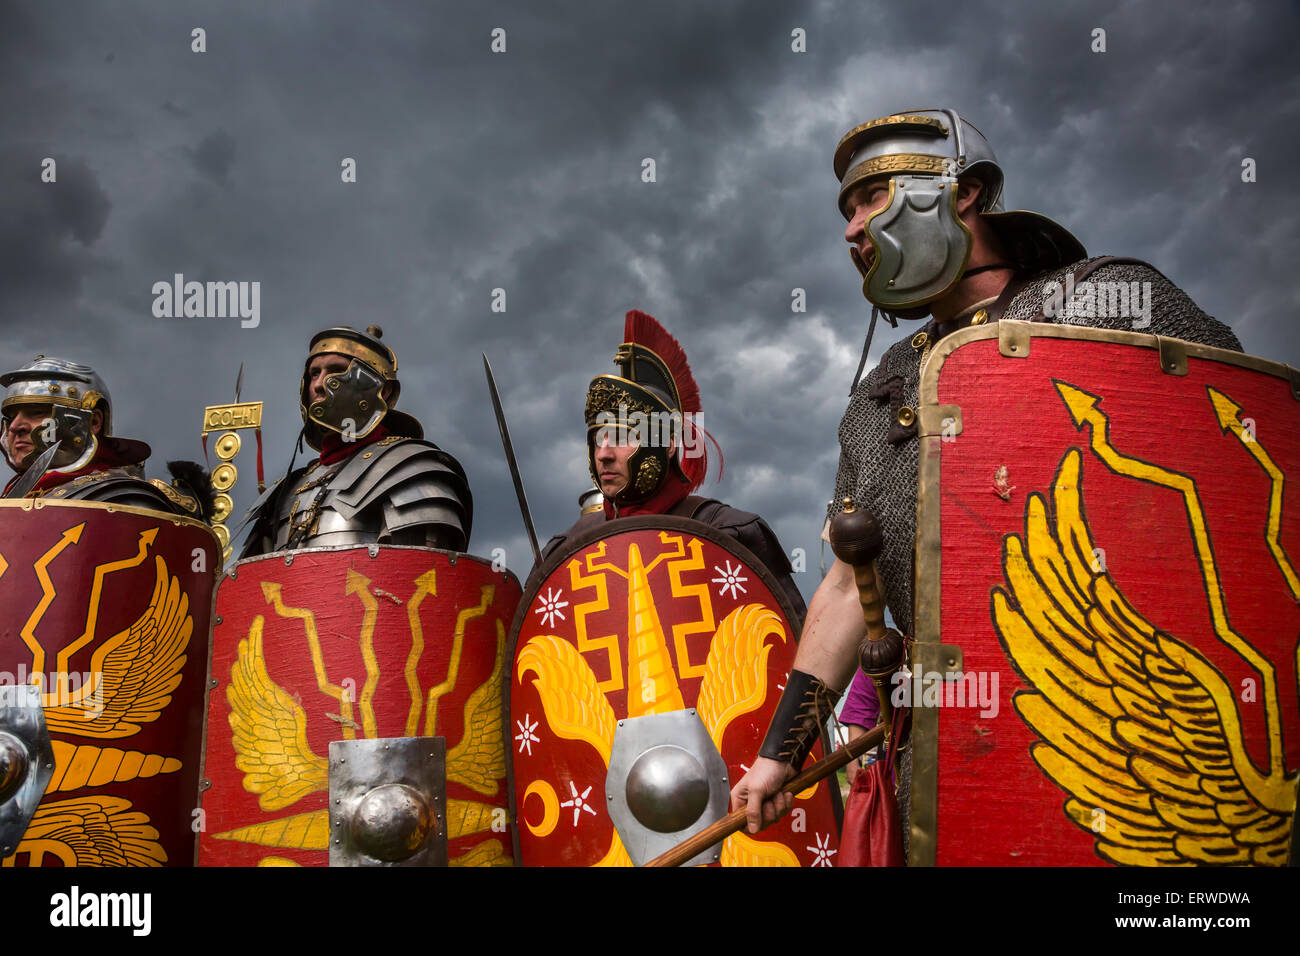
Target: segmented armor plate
x,y
395,491
122,487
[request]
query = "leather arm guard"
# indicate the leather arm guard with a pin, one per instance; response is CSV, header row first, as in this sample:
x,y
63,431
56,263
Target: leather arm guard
x,y
804,708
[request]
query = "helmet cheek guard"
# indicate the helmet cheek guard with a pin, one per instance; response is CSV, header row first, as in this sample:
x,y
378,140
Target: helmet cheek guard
x,y
921,245
353,405
646,466
71,428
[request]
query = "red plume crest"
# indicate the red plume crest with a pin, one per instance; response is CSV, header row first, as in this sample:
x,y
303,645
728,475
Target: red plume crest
x,y
645,330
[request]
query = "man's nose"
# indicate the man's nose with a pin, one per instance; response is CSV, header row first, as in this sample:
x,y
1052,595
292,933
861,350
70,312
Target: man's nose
x,y
853,231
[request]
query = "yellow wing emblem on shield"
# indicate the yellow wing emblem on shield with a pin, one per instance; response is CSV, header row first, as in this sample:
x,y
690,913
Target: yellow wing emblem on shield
x,y
136,669
269,731
479,760
575,707
92,831
1138,727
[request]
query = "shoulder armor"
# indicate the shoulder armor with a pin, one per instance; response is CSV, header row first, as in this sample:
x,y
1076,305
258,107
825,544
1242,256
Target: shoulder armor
x,y
185,504
117,486
416,482
262,506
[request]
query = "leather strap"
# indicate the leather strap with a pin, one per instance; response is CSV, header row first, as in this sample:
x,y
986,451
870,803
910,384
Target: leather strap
x,y
805,706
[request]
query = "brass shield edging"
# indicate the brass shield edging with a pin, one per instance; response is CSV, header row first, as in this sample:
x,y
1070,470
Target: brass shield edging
x,y
927,652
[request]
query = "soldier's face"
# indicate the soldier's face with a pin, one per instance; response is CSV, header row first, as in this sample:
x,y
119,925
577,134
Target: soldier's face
x,y
613,448
20,422
322,365
863,201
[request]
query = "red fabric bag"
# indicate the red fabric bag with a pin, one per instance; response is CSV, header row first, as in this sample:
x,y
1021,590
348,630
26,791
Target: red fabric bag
x,y
871,834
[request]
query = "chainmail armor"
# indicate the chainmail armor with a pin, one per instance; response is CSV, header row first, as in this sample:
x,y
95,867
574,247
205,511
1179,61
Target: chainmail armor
x,y
879,455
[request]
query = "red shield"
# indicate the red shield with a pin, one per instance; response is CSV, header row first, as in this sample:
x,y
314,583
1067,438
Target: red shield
x,y
107,608
641,616
346,643
1106,554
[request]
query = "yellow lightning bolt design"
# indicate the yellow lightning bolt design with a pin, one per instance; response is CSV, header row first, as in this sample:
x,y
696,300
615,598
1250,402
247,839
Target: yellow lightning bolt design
x,y
147,539
28,632
425,585
1228,413
271,591
359,585
453,666
1084,411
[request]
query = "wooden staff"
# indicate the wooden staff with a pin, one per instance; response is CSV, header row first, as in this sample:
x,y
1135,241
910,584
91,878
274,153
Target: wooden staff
x,y
856,540
735,821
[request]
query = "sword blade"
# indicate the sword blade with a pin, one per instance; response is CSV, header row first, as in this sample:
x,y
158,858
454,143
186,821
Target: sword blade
x,y
510,460
34,473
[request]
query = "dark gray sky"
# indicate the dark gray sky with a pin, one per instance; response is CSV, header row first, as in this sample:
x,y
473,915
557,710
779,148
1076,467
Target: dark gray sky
x,y
521,170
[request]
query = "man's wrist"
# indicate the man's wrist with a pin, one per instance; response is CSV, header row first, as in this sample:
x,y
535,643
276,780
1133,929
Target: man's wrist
x,y
805,705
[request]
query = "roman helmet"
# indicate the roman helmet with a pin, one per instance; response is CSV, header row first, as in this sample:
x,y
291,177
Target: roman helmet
x,y
921,246
353,405
72,392
654,400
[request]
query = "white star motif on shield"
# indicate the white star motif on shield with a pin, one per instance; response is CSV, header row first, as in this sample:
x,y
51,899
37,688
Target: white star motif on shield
x,y
526,737
579,803
823,851
551,605
731,578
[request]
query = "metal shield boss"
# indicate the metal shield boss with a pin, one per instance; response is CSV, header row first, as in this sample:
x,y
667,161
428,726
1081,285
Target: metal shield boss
x,y
1108,602
106,612
647,659
354,711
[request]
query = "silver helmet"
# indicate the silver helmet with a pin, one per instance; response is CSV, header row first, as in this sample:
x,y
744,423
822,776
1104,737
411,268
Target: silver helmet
x,y
921,246
70,393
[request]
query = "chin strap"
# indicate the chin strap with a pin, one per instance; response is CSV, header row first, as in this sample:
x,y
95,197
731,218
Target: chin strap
x,y
893,321
866,346
989,268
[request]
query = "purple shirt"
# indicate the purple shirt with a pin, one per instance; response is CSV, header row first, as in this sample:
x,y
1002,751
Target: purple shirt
x,y
861,706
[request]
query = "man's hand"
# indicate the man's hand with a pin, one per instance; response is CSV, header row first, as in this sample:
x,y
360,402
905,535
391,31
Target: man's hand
x,y
759,792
